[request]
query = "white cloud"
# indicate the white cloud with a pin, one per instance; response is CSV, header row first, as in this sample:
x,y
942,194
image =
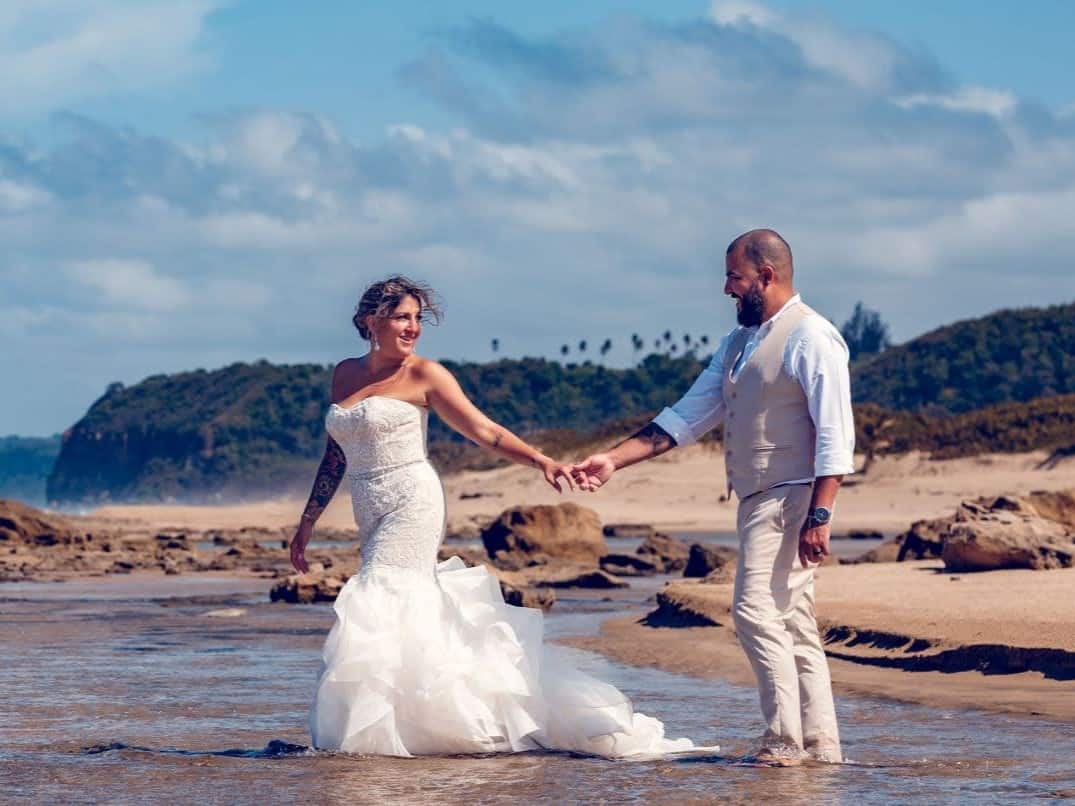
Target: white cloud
x,y
130,284
966,99
593,199
61,51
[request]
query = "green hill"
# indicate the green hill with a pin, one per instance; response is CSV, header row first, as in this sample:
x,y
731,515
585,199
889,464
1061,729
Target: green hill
x,y
250,429
1013,355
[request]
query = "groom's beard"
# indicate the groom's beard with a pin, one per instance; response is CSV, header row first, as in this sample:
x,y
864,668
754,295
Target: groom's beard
x,y
751,307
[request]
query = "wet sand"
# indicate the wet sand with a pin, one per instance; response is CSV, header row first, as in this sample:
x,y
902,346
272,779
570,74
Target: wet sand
x,y
898,630
906,631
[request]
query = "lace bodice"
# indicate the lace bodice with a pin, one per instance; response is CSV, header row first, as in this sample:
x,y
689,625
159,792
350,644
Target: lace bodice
x,y
396,495
378,433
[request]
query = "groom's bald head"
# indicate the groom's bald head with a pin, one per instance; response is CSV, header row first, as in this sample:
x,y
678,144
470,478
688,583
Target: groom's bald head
x,y
764,247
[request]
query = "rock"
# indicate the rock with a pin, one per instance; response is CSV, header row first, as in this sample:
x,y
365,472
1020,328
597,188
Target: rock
x,y
1011,539
466,527
667,553
725,575
20,523
860,534
1057,506
629,565
642,530
306,589
704,560
565,531
541,598
225,612
887,552
585,579
923,540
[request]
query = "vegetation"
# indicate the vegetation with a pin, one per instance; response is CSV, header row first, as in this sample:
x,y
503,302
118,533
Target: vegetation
x,y
25,463
865,333
248,429
1014,355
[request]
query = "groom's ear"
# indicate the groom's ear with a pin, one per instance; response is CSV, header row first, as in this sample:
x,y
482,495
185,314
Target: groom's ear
x,y
766,273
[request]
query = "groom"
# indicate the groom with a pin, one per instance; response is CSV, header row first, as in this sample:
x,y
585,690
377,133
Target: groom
x,y
780,384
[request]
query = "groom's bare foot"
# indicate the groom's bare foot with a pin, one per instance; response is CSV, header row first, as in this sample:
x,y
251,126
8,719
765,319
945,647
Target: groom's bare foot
x,y
777,758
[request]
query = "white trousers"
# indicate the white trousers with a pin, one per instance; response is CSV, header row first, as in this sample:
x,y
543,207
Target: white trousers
x,y
773,612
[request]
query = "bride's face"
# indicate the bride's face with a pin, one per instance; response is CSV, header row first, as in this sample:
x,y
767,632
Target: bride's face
x,y
397,333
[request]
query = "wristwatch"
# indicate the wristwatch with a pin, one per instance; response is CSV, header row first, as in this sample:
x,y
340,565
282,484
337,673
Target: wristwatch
x,y
818,516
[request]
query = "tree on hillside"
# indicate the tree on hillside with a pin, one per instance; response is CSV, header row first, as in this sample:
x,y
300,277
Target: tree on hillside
x,y
582,346
606,345
495,345
564,349
865,332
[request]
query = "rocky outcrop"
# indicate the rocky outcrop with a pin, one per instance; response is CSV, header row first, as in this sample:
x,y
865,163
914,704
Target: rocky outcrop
x,y
26,525
668,553
1006,539
541,598
565,532
1032,531
566,578
630,565
887,552
315,586
923,541
704,560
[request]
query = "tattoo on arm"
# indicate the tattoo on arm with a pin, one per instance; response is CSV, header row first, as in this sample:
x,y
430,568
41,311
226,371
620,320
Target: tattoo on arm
x,y
329,473
659,440
496,439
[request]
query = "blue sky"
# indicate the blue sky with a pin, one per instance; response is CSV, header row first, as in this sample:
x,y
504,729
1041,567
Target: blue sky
x,y
186,184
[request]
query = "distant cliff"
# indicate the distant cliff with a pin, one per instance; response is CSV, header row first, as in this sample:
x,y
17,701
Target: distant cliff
x,y
249,429
252,429
25,463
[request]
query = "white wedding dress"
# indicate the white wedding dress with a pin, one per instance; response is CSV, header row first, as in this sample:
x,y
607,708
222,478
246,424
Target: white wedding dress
x,y
428,659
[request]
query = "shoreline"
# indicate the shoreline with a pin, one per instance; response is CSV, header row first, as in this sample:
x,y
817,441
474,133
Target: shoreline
x,y
897,631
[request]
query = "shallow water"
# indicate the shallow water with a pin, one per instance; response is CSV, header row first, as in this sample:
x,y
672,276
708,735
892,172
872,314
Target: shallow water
x,y
124,691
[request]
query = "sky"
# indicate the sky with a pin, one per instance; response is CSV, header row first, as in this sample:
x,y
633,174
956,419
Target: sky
x,y
186,184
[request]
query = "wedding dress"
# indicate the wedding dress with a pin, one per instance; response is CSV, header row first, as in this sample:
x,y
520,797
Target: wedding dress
x,y
428,659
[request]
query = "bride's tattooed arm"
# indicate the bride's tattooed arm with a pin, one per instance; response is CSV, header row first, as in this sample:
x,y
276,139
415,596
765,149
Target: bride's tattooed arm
x,y
331,470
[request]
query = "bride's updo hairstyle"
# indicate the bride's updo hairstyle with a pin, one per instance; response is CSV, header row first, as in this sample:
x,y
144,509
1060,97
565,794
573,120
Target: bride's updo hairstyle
x,y
381,298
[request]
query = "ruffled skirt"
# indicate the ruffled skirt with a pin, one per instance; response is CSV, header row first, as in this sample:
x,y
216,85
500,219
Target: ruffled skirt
x,y
423,665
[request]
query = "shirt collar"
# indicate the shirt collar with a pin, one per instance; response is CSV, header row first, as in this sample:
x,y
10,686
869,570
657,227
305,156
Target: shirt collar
x,y
768,323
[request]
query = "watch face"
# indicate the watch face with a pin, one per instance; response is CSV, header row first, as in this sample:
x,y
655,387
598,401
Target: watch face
x,y
820,514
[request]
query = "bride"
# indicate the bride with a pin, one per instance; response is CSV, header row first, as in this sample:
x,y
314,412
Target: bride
x,y
426,658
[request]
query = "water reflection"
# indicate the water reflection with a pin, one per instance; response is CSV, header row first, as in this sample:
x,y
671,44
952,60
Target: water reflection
x,y
131,700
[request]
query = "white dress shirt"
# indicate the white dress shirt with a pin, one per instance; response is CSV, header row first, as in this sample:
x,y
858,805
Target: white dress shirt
x,y
816,356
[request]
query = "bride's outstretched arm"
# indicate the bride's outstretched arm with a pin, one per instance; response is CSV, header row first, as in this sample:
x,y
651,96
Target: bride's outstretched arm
x,y
329,472
448,399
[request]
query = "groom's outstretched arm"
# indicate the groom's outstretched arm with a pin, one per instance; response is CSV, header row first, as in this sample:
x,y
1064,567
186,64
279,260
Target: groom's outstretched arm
x,y
649,441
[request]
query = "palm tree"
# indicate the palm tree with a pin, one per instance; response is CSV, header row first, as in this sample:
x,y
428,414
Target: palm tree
x,y
496,345
564,349
606,345
668,336
705,340
582,346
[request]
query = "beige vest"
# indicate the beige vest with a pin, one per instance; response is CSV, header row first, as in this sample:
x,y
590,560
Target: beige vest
x,y
768,433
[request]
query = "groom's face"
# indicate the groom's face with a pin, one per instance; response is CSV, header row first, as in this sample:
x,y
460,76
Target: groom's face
x,y
743,284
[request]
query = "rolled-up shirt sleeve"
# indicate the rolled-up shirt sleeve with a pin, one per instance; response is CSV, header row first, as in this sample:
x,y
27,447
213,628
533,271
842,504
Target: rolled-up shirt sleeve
x,y
818,358
702,408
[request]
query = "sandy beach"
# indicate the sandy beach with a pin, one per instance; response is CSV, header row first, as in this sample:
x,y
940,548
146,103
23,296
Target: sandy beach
x,y
905,631
902,630
680,491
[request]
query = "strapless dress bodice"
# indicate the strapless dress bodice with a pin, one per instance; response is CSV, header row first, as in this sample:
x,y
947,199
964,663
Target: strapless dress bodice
x,y
378,433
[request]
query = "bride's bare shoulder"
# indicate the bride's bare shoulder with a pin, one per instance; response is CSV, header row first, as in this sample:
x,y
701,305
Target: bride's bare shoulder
x,y
427,369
